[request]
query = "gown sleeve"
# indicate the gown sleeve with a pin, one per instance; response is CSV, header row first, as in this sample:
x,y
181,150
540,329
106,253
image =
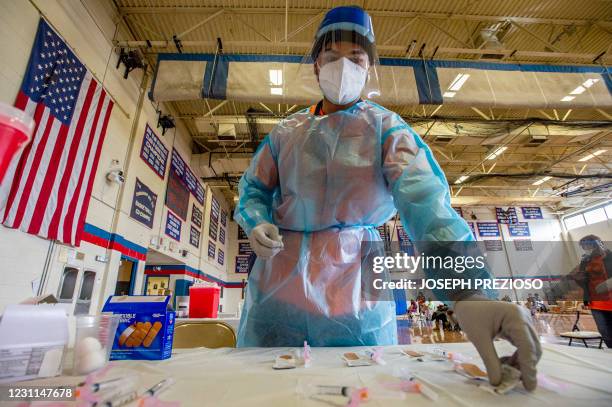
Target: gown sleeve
x,y
421,196
256,189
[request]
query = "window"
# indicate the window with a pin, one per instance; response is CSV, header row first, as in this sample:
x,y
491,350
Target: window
x,y
573,222
68,284
595,215
89,279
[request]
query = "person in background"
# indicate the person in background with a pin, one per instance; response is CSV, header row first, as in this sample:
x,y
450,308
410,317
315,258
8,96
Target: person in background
x,y
317,187
412,309
453,323
594,276
439,317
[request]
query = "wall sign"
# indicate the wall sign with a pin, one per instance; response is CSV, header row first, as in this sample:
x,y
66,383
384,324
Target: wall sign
x,y
458,210
488,229
242,264
154,152
212,249
532,212
493,245
196,216
194,237
506,216
143,204
212,229
221,235
214,209
520,229
220,256
223,218
173,226
242,234
244,248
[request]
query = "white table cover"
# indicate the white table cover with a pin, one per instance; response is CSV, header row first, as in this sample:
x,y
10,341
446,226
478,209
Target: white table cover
x,y
244,377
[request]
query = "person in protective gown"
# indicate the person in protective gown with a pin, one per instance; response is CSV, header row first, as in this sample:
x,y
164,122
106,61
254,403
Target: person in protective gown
x,y
318,186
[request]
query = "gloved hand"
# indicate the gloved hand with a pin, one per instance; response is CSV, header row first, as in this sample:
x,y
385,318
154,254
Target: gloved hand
x,y
604,287
265,240
483,319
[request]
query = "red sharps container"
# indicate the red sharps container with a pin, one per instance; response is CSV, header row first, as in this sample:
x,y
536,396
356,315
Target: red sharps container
x,y
203,301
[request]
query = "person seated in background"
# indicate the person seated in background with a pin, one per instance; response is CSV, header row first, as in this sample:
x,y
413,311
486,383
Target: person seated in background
x,y
453,323
594,276
540,306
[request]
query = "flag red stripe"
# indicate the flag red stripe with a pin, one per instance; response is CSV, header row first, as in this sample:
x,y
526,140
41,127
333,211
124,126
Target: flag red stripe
x,y
63,186
48,183
81,220
22,162
68,221
21,101
25,195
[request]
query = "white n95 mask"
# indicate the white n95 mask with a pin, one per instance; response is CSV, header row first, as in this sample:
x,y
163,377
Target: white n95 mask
x,y
342,81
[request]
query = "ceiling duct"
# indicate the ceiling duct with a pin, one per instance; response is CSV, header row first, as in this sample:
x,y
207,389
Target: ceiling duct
x,y
226,134
536,140
489,39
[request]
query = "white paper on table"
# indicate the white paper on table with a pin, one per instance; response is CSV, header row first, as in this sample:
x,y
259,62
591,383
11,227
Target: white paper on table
x,y
32,341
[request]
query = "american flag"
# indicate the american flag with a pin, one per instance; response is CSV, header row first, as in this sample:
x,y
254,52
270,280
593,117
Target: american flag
x,y
47,189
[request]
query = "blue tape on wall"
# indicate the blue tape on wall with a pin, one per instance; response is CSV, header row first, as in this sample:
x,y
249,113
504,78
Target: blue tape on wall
x,y
215,78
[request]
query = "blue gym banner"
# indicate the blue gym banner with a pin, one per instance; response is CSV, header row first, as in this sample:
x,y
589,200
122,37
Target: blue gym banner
x,y
520,229
220,257
506,216
488,229
143,204
532,212
194,237
173,226
187,177
242,264
196,216
212,249
154,152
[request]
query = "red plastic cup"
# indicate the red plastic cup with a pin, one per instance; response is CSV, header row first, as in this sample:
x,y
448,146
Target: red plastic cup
x,y
16,129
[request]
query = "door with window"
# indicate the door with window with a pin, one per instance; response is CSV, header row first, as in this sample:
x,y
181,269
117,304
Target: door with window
x,y
83,301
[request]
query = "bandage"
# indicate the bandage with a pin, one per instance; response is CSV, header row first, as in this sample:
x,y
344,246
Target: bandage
x,y
135,340
152,334
126,334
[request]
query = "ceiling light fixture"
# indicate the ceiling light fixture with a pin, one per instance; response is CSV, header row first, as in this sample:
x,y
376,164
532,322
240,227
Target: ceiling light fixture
x,y
458,82
496,153
542,180
595,154
461,179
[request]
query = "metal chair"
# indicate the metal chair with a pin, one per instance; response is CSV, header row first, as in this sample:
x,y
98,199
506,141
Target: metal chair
x,y
208,334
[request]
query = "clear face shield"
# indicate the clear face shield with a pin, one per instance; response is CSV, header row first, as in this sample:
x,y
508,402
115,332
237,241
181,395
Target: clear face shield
x,y
342,64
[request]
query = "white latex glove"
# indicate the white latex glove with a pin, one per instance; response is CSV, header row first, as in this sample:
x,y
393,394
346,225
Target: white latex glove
x,y
265,240
482,320
604,287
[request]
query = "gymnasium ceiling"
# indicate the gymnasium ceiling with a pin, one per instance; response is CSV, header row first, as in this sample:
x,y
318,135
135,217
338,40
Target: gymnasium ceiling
x,y
462,138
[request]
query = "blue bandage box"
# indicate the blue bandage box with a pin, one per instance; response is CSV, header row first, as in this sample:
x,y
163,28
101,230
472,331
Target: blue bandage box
x,y
146,327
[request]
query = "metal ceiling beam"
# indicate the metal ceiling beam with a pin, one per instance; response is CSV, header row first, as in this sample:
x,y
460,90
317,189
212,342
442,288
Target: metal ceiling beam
x,y
383,49
373,13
